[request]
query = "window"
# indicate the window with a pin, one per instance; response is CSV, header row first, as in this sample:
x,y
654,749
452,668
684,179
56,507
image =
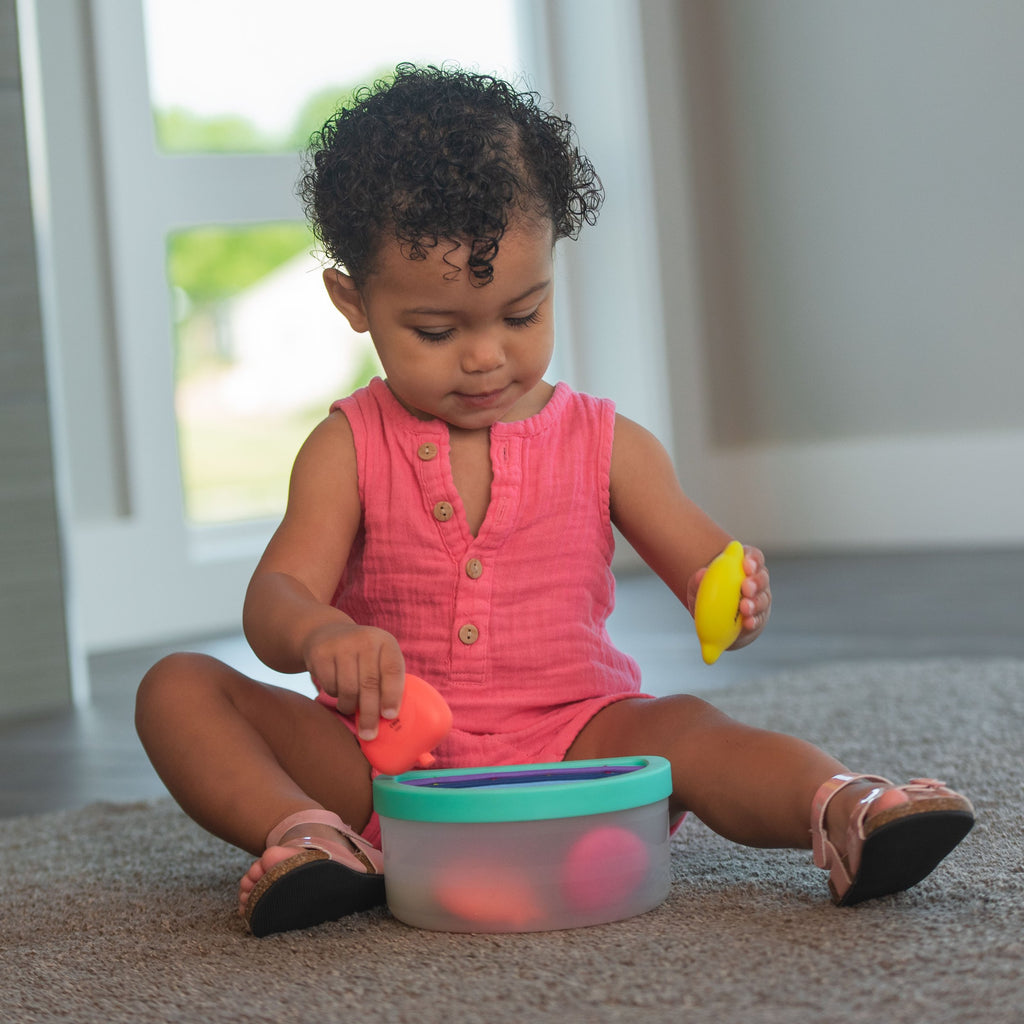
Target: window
x,y
183,306
258,350
161,544
258,356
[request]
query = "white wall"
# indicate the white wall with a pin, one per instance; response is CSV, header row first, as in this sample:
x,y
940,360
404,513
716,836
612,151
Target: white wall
x,y
842,258
862,166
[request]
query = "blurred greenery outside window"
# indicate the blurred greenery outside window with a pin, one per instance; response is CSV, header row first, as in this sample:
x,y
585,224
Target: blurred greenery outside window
x,y
260,352
179,130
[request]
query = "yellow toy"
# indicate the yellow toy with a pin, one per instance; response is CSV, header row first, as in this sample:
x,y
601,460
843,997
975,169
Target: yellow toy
x,y
716,610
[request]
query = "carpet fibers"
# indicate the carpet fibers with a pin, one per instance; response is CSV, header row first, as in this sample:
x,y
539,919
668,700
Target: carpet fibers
x,y
125,912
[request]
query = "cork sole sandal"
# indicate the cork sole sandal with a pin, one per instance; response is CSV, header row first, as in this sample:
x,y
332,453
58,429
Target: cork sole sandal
x,y
325,880
894,848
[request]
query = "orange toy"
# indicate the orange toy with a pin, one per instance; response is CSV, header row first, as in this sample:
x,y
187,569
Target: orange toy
x,y
405,742
492,895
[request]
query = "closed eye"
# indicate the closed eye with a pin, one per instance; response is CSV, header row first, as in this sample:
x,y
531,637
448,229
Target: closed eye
x,y
524,321
434,336
515,322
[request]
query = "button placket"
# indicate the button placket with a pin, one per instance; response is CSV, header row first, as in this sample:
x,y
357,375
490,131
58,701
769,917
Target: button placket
x,y
437,489
432,481
472,611
472,596
472,608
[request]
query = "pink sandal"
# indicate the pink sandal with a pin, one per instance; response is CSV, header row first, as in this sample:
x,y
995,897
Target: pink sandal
x,y
895,847
325,880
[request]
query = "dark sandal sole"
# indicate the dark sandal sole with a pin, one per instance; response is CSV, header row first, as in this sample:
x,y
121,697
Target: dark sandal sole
x,y
310,893
901,852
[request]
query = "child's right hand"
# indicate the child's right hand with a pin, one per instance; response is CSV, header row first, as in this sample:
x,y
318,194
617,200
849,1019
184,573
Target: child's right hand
x,y
362,667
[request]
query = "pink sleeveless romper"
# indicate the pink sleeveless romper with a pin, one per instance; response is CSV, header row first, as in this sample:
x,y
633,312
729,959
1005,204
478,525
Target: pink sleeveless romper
x,y
509,625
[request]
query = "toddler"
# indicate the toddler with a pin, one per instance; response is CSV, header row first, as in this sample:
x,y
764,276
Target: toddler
x,y
454,520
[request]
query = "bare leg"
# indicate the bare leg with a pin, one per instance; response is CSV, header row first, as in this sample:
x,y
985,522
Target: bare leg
x,y
239,756
750,785
758,787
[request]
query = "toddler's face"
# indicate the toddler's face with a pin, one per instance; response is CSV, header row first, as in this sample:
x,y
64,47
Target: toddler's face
x,y
452,349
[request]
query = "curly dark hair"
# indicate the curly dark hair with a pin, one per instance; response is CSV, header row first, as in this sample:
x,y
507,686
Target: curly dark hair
x,y
441,154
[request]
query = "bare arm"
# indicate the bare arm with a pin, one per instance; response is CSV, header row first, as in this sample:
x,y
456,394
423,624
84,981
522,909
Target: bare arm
x,y
669,531
288,618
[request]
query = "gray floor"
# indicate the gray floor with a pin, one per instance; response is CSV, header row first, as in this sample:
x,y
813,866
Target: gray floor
x,y
907,606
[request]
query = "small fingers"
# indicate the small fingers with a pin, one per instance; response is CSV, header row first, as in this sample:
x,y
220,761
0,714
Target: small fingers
x,y
362,668
368,713
330,675
392,681
756,600
754,620
381,683
753,563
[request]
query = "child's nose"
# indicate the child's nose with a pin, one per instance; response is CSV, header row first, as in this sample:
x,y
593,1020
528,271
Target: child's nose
x,y
482,353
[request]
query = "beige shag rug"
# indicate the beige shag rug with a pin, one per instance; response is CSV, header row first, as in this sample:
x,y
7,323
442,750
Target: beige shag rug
x,y
125,912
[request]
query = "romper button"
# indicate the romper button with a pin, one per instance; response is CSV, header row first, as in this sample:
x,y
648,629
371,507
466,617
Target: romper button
x,y
469,634
427,451
474,568
443,511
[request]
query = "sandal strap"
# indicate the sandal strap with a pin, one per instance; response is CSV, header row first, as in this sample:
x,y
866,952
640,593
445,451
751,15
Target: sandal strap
x,y
923,785
364,851
313,816
825,854
911,790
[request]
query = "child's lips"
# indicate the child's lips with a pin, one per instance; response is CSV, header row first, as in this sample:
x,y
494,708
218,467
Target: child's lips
x,y
482,399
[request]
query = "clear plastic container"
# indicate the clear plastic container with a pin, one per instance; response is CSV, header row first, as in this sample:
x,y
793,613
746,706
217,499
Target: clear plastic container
x,y
526,847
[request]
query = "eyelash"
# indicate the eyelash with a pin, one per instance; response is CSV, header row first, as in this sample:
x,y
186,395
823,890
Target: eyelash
x,y
515,322
524,321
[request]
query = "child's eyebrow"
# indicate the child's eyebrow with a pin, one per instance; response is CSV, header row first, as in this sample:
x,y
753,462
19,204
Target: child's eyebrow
x,y
436,311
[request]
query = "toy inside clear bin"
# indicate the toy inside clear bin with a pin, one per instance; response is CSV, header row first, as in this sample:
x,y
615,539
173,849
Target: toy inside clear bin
x,y
526,847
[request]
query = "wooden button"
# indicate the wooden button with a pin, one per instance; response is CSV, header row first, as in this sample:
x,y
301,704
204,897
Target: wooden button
x,y
469,634
474,568
427,451
443,511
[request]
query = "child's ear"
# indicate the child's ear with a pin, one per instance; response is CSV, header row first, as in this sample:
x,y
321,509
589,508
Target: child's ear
x,y
345,295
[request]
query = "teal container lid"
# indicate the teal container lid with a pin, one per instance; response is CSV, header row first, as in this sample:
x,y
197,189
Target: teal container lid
x,y
523,792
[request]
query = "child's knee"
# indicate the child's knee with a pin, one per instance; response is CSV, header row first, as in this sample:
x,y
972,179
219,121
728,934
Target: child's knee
x,y
172,679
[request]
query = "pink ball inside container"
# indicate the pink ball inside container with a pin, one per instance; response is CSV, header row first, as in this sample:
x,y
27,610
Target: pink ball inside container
x,y
604,867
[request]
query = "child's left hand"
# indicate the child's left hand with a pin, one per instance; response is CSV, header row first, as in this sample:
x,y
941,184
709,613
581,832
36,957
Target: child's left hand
x,y
755,595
